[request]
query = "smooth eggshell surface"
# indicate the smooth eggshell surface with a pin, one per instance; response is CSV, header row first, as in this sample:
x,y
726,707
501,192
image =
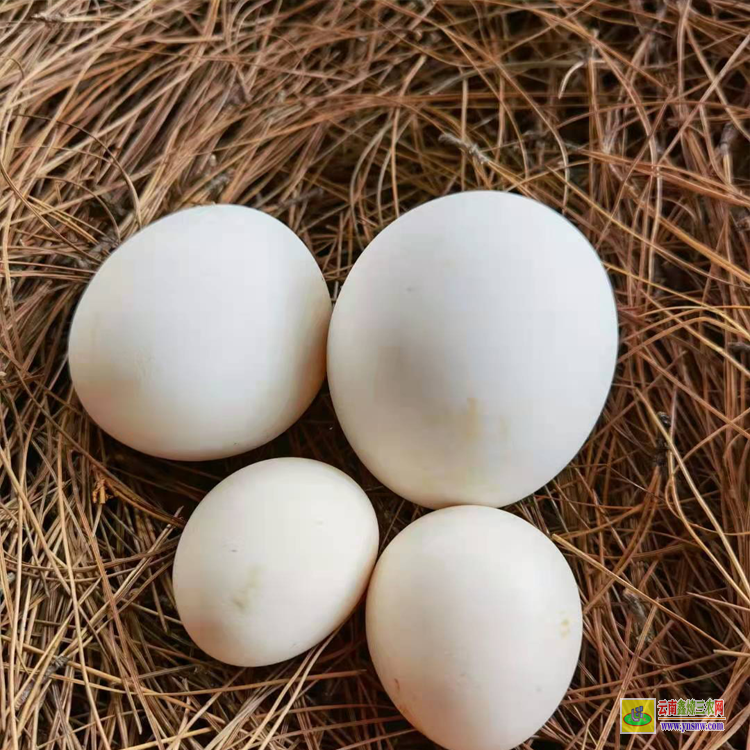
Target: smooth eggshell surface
x,y
203,335
471,349
474,627
273,560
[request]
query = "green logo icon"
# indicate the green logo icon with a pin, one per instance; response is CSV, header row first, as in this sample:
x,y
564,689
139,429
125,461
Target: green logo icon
x,y
637,717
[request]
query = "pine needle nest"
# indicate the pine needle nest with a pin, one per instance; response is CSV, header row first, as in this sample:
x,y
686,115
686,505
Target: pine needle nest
x,y
630,118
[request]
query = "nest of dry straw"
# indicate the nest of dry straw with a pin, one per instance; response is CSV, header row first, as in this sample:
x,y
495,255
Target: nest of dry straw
x,y
629,117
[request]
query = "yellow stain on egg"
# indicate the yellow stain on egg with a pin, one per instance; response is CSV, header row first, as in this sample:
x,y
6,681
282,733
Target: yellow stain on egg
x,y
242,598
565,627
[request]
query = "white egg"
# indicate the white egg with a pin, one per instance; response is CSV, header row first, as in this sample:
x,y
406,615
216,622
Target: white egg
x,y
273,560
203,335
471,349
474,627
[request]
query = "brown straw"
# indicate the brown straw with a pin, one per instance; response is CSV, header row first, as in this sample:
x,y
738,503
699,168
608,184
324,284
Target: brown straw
x,y
336,116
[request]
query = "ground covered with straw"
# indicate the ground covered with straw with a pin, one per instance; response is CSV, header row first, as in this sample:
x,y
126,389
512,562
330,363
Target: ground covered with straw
x,y
629,117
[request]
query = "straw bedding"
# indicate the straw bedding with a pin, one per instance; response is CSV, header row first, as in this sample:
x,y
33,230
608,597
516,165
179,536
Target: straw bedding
x,y
629,117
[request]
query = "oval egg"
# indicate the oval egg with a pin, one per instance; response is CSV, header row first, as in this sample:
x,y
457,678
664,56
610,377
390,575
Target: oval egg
x,y
471,349
203,335
273,560
474,627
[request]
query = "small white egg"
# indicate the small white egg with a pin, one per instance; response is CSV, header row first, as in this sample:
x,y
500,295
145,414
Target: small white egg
x,y
471,349
203,335
474,627
273,560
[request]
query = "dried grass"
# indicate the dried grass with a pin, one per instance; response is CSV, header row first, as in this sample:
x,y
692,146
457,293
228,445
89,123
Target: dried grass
x,y
629,117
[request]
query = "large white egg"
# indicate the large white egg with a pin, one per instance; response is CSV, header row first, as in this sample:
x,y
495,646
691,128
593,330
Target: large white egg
x,y
273,560
471,349
203,335
474,627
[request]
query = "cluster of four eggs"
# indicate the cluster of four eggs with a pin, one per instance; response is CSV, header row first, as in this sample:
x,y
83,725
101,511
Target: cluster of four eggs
x,y
469,355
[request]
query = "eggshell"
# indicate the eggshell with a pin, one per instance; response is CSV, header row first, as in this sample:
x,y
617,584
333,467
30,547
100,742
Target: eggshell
x,y
474,627
471,349
203,335
273,560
